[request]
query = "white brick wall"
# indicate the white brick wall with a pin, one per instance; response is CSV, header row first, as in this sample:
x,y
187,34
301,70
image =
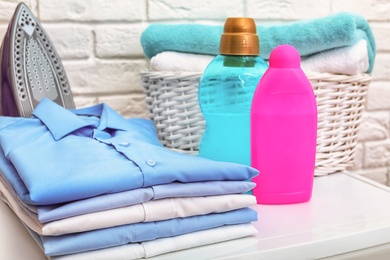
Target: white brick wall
x,y
98,41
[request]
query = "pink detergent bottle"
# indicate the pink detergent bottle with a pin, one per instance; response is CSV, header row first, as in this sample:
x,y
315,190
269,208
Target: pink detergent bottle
x,y
283,131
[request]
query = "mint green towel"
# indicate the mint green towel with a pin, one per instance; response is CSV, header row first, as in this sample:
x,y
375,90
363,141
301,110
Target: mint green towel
x,y
307,36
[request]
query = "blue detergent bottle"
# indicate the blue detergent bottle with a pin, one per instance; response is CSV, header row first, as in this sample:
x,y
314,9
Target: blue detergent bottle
x,y
226,90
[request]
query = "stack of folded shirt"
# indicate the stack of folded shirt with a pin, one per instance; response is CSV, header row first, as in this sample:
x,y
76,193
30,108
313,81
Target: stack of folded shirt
x,y
342,43
90,184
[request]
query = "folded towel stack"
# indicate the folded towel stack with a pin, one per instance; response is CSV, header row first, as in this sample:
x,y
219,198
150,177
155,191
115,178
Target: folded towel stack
x,y
89,184
342,43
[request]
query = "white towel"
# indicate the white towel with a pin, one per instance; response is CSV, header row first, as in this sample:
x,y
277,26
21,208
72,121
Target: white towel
x,y
349,60
180,61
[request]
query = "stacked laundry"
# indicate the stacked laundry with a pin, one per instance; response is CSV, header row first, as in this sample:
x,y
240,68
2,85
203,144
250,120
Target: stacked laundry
x,y
342,43
90,184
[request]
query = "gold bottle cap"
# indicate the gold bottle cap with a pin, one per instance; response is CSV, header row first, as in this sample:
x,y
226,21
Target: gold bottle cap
x,y
239,37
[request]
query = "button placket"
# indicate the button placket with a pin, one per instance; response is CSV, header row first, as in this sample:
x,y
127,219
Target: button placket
x,y
141,154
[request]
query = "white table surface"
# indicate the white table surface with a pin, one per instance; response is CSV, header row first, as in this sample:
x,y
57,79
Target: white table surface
x,y
346,213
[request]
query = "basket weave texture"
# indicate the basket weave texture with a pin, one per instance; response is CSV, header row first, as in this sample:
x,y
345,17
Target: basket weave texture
x,y
172,103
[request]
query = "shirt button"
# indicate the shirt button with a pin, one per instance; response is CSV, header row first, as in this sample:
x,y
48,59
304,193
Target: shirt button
x,y
150,162
124,144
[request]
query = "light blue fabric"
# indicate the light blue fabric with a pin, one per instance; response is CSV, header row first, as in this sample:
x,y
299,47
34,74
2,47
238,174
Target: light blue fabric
x,y
120,235
307,36
45,214
98,152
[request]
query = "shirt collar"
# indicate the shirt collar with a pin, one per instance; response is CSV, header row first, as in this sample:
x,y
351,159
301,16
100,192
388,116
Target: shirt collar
x,y
62,122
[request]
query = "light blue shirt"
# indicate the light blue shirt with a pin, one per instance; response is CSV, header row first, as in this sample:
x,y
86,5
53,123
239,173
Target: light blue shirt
x,y
64,155
142,195
44,214
140,232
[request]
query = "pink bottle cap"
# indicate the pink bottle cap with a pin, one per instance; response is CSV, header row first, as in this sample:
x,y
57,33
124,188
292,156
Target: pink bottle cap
x,y
285,56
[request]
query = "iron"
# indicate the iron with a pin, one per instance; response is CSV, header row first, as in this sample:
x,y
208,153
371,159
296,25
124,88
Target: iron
x,y
30,67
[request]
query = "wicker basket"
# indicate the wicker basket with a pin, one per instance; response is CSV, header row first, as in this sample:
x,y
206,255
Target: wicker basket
x,y
172,103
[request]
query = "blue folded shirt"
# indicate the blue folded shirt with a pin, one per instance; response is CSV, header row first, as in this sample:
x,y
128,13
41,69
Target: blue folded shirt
x,y
44,214
63,155
142,195
307,36
140,232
